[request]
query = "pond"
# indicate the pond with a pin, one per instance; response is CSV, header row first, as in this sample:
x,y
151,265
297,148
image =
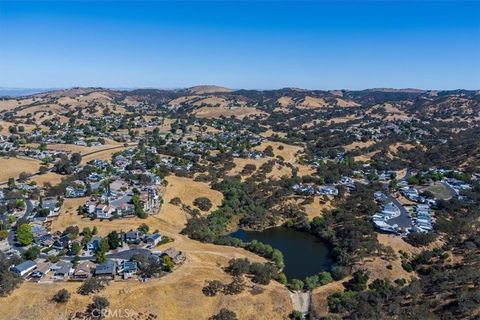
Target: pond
x,y
304,254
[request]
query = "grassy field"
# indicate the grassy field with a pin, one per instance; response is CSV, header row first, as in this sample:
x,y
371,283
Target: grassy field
x,y
440,191
12,167
176,296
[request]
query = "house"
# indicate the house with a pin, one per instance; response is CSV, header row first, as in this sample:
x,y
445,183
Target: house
x,y
133,237
93,244
153,239
41,270
24,268
105,270
103,211
326,190
61,269
125,209
61,243
83,270
76,190
89,207
50,204
127,268
44,240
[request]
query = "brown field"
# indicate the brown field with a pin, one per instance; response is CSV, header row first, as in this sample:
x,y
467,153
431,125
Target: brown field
x,y
4,127
366,157
358,145
277,172
218,112
320,294
288,152
393,112
13,103
103,154
312,103
393,148
176,296
188,190
346,103
350,117
316,208
285,101
12,167
51,177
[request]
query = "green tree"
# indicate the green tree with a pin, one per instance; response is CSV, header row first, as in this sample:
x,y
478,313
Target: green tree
x,y
167,263
76,248
11,183
61,296
24,234
296,285
32,253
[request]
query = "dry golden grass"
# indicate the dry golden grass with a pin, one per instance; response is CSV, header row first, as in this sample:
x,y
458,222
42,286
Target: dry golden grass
x,y
320,294
13,103
393,148
286,151
44,108
176,296
51,177
346,103
312,103
103,153
188,190
12,167
393,112
71,148
204,89
316,208
4,125
366,157
358,145
277,171
285,101
347,118
222,111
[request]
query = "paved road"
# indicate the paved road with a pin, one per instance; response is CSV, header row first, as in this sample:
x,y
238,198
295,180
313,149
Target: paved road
x,y
126,254
11,234
403,220
452,191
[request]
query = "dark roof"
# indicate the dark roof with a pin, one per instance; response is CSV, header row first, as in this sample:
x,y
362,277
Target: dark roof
x,y
24,266
108,267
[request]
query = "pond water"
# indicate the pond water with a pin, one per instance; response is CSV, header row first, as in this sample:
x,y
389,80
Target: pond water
x,y
304,254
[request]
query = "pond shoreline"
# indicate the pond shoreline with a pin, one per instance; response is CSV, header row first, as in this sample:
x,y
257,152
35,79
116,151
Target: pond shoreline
x,y
304,254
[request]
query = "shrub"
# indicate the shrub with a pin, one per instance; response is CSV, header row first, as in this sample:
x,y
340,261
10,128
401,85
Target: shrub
x,y
296,285
235,287
203,203
224,314
61,296
212,288
91,285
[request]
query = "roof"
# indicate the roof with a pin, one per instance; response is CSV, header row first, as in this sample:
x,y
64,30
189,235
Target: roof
x,y
153,236
108,267
63,267
24,266
85,266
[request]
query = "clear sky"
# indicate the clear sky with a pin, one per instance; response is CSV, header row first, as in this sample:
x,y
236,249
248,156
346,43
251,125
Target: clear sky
x,y
262,45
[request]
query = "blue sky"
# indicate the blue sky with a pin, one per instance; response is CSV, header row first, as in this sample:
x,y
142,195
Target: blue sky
x,y
262,45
